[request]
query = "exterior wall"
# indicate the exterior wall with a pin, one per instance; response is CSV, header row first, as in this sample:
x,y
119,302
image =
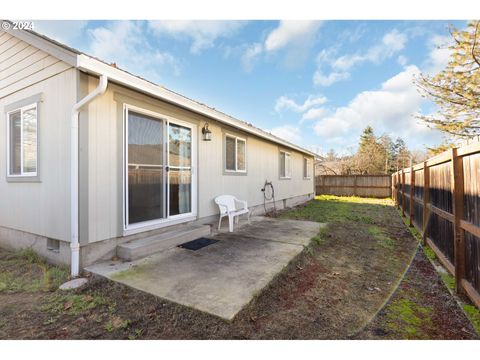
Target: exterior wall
x,y
100,128
40,207
263,164
101,134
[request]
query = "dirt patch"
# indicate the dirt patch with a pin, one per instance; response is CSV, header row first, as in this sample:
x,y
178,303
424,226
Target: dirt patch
x,y
330,291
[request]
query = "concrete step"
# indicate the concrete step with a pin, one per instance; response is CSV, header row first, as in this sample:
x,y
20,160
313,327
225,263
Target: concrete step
x,y
139,248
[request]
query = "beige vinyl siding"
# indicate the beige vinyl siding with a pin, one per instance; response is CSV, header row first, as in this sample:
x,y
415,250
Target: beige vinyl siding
x,y
40,207
262,164
101,129
100,165
22,65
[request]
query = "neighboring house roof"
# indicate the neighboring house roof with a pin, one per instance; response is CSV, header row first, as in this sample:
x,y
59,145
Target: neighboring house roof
x,y
94,66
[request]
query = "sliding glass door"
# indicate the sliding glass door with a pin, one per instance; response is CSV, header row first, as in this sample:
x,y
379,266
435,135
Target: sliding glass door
x,y
146,170
180,169
158,181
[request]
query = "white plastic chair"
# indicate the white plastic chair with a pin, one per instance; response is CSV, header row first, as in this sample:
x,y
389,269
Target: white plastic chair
x,y
228,207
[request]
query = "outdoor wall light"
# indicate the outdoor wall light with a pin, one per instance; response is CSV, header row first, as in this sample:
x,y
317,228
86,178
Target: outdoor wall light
x,y
207,134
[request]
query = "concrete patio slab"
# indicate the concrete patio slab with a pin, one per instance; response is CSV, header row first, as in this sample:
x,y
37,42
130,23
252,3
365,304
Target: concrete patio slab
x,y
280,230
223,277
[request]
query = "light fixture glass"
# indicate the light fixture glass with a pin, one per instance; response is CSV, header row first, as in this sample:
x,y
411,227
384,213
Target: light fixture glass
x,y
207,134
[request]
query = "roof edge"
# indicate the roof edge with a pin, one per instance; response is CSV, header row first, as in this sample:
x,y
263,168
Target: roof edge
x,y
97,67
50,46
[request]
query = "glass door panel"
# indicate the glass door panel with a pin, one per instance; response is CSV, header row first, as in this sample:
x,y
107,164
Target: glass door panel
x,y
146,175
180,169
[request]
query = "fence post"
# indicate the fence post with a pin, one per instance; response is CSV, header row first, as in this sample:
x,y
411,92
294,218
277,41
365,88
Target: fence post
x,y
397,189
426,199
403,192
412,193
399,177
392,185
354,185
457,199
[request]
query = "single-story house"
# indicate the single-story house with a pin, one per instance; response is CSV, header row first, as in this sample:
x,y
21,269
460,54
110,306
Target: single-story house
x,y
92,156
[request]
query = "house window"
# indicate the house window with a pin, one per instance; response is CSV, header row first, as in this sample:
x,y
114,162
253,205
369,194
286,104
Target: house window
x,y
22,141
307,168
235,154
285,165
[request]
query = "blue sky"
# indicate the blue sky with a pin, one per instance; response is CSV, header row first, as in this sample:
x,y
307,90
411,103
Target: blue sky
x,y
315,83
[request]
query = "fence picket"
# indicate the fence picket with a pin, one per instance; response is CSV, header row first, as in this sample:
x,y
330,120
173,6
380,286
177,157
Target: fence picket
x,y
446,176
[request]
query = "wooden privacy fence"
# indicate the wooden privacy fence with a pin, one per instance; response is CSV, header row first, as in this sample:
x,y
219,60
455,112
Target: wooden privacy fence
x,y
354,185
441,198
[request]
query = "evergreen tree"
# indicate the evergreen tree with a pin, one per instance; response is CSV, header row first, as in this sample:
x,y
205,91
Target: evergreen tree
x,y
389,148
331,155
402,155
456,89
371,155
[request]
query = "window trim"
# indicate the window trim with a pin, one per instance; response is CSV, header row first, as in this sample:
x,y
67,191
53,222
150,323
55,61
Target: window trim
x,y
22,106
286,177
307,168
236,171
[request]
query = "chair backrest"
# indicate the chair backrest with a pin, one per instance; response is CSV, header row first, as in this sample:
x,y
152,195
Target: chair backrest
x,y
227,201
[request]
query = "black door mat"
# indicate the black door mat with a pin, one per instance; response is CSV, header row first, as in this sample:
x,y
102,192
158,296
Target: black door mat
x,y
197,243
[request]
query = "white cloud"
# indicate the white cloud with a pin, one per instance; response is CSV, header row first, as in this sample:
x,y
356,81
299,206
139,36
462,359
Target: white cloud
x,y
295,37
439,54
124,43
402,60
290,32
320,79
287,132
116,40
314,114
391,43
390,109
202,33
250,56
284,102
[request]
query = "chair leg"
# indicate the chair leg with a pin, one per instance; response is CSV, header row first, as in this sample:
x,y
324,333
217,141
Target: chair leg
x,y
237,218
219,222
230,223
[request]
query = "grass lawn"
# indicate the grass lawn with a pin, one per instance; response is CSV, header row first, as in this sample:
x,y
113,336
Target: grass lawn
x,y
335,289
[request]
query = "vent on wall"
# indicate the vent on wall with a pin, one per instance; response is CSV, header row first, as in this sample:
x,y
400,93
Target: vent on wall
x,y
53,245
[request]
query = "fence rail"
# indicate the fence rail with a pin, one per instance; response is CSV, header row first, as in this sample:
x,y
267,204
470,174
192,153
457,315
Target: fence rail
x,y
354,185
441,198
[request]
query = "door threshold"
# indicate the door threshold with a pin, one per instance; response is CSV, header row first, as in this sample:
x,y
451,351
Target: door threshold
x,y
163,224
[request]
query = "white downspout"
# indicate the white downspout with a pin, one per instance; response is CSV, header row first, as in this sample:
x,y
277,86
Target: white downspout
x,y
74,243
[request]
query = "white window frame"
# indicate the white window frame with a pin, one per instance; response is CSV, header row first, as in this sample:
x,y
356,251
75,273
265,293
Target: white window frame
x,y
237,170
22,174
288,170
307,168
